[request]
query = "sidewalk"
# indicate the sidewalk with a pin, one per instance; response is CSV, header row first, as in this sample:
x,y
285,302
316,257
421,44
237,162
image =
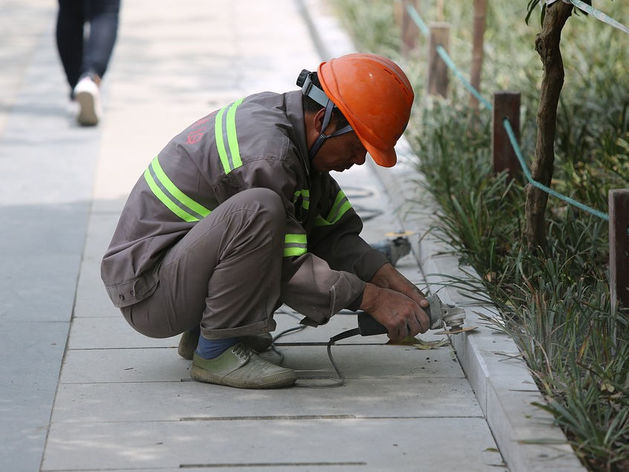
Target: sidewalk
x,y
120,401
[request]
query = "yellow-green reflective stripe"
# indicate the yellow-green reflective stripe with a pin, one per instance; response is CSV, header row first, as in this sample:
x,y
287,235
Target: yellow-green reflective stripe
x,y
320,221
339,208
295,244
232,136
184,215
335,207
175,192
305,201
346,206
220,143
294,251
295,238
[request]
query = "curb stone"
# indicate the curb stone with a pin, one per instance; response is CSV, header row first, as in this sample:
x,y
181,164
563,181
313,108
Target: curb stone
x,y
501,381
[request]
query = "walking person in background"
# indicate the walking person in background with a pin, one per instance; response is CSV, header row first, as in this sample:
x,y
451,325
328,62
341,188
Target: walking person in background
x,y
85,55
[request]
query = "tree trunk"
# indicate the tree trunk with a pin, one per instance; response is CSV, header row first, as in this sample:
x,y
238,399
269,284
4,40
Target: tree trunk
x,y
547,46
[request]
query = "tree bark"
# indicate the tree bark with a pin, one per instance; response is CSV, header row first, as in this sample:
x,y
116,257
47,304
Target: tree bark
x,y
547,46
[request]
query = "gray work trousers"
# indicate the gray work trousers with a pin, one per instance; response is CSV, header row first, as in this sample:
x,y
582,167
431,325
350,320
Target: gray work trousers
x,y
224,275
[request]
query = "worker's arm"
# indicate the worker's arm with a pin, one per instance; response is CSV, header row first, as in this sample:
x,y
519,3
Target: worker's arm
x,y
335,236
396,303
389,277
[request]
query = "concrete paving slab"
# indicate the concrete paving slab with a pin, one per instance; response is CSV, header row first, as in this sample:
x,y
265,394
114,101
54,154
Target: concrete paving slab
x,y
111,206
91,297
100,229
124,365
305,467
31,356
378,361
39,280
355,361
46,165
409,444
22,23
112,332
171,401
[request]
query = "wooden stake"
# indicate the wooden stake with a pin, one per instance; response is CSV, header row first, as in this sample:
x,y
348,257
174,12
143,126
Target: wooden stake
x,y
410,31
440,14
437,69
480,11
398,12
506,105
619,247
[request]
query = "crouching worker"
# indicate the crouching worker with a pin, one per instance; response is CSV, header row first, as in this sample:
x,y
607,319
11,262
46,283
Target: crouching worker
x,y
239,214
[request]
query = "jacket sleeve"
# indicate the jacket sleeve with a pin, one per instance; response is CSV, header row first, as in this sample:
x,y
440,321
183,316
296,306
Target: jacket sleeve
x,y
336,236
309,284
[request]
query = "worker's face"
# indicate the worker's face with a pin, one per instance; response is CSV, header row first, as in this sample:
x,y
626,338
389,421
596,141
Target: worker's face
x,y
340,153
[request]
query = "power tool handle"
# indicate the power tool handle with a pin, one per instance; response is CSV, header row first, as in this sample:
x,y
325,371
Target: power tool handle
x,y
368,326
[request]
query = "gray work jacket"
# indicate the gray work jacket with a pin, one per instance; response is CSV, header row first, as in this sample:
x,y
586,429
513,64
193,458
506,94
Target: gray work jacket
x,y
258,141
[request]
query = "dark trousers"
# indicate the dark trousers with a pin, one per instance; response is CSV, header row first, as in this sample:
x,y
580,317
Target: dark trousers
x,y
89,54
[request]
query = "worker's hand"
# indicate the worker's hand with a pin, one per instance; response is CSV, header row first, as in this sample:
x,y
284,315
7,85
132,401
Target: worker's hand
x,y
388,277
401,315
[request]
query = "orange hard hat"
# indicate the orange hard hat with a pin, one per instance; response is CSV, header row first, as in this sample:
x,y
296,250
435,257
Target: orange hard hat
x,y
375,96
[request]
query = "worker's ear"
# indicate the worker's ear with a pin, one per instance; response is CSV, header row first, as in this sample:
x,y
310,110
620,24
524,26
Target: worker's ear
x,y
314,123
318,120
318,123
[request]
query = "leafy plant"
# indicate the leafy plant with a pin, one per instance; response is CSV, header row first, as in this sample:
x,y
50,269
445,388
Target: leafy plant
x,y
557,308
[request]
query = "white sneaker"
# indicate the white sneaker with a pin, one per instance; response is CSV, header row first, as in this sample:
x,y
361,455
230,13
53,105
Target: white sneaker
x,y
87,95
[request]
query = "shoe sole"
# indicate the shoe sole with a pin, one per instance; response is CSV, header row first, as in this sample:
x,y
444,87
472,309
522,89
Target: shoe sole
x,y
283,380
87,112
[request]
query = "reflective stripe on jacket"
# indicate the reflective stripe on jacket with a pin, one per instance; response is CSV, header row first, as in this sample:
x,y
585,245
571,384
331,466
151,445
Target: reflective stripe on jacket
x,y
258,141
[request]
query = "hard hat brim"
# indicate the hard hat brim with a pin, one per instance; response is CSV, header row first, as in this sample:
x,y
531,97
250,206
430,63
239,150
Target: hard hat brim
x,y
384,158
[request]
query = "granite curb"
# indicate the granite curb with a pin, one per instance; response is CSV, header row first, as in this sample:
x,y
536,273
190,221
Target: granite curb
x,y
526,435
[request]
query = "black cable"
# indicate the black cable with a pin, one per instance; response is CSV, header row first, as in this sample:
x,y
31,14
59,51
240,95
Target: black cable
x,y
345,334
294,329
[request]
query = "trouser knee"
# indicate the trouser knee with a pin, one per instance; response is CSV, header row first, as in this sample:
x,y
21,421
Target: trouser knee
x,y
267,205
213,274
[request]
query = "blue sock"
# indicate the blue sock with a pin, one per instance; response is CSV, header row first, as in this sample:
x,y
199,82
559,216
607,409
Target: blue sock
x,y
211,348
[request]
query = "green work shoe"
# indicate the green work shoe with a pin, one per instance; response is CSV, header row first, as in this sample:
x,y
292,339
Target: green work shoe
x,y
188,343
190,339
241,367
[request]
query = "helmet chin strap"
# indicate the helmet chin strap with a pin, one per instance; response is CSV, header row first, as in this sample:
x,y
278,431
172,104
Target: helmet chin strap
x,y
311,90
322,136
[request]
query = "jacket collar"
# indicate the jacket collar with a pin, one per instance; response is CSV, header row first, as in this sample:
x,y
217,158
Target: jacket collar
x,y
295,114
